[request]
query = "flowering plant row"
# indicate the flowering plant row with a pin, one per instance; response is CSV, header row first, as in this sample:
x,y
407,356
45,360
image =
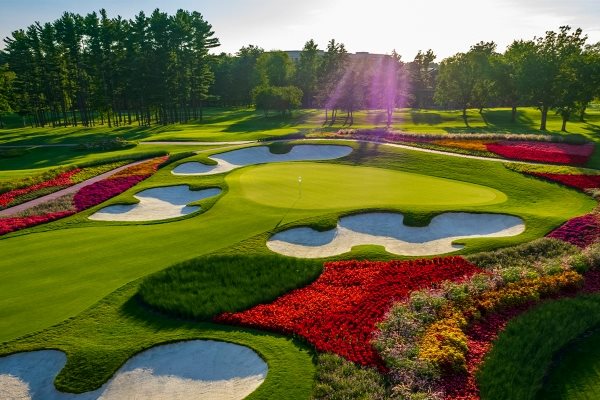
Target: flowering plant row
x,y
86,197
559,153
580,231
445,341
514,147
425,341
578,181
338,312
58,182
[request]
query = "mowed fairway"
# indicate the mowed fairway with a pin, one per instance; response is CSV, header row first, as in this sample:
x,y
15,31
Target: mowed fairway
x,y
326,187
48,276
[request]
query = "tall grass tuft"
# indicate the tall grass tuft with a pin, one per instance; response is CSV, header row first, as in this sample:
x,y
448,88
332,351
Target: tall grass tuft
x,y
204,287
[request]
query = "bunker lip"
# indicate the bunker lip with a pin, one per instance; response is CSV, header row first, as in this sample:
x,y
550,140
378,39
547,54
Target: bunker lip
x,y
196,369
156,204
260,155
388,230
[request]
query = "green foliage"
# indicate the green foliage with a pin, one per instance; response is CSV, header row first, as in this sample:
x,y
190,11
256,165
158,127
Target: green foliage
x,y
275,68
204,287
106,144
281,99
538,335
338,379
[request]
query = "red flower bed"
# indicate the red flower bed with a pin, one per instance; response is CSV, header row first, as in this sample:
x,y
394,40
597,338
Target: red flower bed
x,y
337,313
577,181
580,231
559,153
63,179
12,224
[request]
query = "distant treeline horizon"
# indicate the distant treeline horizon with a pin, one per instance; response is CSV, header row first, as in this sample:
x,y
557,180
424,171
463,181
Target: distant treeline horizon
x,y
92,69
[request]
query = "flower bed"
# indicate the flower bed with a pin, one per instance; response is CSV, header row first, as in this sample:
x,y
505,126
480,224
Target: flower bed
x,y
12,224
578,181
86,197
427,340
580,231
560,153
338,313
61,181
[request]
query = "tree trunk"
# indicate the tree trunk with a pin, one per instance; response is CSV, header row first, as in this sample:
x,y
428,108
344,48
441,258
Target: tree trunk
x,y
1,122
464,115
326,116
544,117
389,116
565,118
513,115
582,113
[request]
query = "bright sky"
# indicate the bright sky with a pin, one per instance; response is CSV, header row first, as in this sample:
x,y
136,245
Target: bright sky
x,y
376,26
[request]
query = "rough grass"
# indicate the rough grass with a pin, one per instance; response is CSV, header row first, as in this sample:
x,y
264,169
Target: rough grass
x,y
99,340
523,352
204,287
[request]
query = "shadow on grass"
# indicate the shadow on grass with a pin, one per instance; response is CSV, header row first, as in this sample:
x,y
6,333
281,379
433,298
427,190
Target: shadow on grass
x,y
427,118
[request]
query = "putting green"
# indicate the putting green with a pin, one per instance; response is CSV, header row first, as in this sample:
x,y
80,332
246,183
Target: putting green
x,y
331,186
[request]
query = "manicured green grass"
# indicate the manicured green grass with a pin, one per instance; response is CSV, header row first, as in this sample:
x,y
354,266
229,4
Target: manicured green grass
x,y
98,341
520,357
247,124
57,272
204,287
330,187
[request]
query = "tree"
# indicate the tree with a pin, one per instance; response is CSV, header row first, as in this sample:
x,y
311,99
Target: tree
x,y
545,74
456,82
422,78
332,70
307,72
481,57
6,81
589,78
275,68
280,98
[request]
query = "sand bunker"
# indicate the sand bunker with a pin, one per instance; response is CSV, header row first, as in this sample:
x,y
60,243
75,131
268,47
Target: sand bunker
x,y
156,204
388,230
260,155
199,369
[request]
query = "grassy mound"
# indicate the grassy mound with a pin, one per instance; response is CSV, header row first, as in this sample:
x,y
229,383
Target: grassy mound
x,y
524,350
204,287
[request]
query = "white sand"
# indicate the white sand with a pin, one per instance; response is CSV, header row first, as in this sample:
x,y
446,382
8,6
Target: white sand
x,y
198,369
260,155
388,230
156,204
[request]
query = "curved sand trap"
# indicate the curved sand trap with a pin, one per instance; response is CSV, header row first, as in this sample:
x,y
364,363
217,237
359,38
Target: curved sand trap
x,y
260,155
199,369
156,204
388,230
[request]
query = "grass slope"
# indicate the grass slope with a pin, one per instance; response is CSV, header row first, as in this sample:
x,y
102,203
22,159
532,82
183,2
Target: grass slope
x,y
56,273
98,341
521,355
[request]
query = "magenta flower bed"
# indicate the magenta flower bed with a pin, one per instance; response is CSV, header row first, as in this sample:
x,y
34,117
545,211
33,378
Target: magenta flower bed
x,y
559,153
99,192
12,224
88,196
580,231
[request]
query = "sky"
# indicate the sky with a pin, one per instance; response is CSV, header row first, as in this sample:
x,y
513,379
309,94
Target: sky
x,y
376,26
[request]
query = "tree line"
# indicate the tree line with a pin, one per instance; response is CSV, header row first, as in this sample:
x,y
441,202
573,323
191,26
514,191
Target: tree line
x,y
158,69
95,69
